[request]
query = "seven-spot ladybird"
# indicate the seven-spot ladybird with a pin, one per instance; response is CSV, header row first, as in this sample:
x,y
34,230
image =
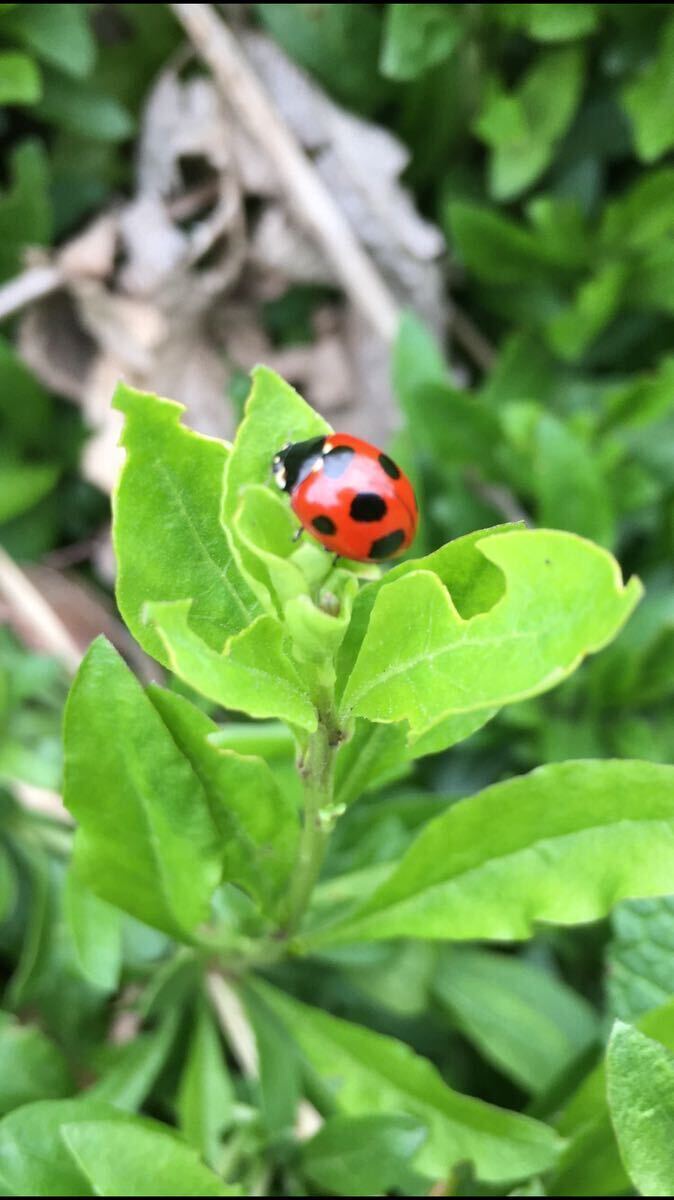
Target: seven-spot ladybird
x,y
348,495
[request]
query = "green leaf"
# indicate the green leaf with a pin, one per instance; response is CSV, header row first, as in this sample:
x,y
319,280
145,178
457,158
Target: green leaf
x,y
453,426
419,36
205,1094
524,370
476,585
34,1158
640,1087
417,358
20,81
644,214
572,494
7,885
522,127
31,1067
274,415
264,526
557,22
168,538
369,1071
279,1075
84,1148
58,33
22,484
95,929
256,824
269,739
361,1156
596,303
145,841
563,599
515,854
130,1158
127,1082
640,957
497,249
526,1022
25,207
336,43
649,100
24,404
253,674
77,106
590,1164
35,933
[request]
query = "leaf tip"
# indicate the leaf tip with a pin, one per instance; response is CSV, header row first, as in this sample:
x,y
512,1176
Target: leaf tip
x,y
133,404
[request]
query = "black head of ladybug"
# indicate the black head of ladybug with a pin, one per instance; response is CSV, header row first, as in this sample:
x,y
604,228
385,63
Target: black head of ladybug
x,y
294,461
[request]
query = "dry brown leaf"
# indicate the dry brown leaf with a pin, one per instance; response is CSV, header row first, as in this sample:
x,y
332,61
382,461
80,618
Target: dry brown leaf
x,y
162,292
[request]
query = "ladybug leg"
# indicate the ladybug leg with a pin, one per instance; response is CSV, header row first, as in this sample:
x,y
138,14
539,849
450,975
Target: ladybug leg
x,y
336,559
297,534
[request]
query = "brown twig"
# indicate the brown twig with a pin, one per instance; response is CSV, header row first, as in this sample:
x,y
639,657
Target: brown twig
x,y
32,284
471,339
311,199
240,1037
23,597
500,497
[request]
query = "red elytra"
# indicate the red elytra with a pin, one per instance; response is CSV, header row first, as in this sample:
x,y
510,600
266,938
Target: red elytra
x,y
349,495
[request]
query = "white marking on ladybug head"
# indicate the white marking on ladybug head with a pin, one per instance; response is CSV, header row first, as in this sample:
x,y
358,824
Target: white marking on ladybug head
x,y
279,472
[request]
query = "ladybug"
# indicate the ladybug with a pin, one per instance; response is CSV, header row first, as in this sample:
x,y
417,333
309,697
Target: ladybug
x,y
348,495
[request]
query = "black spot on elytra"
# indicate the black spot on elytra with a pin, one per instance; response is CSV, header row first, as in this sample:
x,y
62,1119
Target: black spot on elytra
x,y
323,524
384,547
389,466
336,461
298,458
367,506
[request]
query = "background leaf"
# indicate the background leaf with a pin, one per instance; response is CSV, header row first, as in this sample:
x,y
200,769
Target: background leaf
x,y
520,1017
146,841
20,81
640,1086
31,1067
58,33
369,1070
205,1095
361,1156
418,36
639,961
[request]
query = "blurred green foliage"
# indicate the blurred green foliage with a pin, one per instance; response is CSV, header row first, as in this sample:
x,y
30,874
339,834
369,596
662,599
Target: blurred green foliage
x,y
541,140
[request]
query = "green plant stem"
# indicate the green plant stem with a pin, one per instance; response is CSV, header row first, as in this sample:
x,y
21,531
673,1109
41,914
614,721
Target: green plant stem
x,y
317,772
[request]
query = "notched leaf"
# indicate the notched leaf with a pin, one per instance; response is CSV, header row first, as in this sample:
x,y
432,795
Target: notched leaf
x,y
252,674
563,599
169,541
513,855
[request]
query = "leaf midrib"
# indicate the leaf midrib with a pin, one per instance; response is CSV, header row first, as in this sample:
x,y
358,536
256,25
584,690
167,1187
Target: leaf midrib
x,y
206,553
